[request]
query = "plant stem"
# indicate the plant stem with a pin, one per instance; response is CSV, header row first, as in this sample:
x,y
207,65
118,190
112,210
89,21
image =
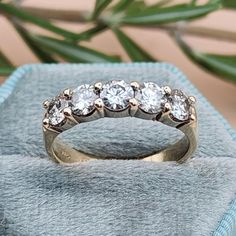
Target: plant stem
x,y
82,17
199,31
11,10
58,14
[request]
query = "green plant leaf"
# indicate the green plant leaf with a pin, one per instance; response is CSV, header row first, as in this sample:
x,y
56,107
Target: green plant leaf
x,y
135,52
160,4
43,55
122,5
88,34
24,16
71,52
5,71
4,61
229,4
6,67
222,65
135,7
193,2
100,5
168,14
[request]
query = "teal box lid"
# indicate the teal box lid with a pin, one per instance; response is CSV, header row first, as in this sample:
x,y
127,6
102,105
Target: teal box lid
x,y
111,197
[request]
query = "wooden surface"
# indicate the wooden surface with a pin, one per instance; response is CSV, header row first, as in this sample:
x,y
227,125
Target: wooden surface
x,y
220,93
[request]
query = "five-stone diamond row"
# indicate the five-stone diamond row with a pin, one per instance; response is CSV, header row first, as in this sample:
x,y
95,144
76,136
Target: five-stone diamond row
x,y
146,100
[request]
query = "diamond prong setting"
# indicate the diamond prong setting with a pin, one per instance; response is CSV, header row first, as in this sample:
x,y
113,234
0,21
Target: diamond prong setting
x,y
192,100
45,122
180,106
166,108
98,87
151,97
167,90
135,85
67,93
117,96
99,103
67,111
55,110
192,118
82,100
46,104
133,102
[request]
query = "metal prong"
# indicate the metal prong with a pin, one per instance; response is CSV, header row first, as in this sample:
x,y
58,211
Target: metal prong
x,y
133,106
133,102
192,100
98,87
191,121
165,115
46,104
166,108
100,106
167,90
48,127
135,85
67,93
192,118
99,103
193,115
45,122
67,112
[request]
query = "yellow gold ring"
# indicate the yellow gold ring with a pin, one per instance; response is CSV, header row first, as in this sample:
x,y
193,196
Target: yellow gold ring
x,y
120,99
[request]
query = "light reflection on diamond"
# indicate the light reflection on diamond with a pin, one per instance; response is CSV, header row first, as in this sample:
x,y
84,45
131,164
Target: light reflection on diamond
x,y
55,111
82,101
116,95
180,105
150,97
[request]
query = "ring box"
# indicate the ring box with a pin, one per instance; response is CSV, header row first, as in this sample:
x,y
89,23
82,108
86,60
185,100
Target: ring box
x,y
111,197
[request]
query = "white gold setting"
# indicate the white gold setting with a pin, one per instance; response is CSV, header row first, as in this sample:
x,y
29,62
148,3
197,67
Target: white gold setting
x,y
120,99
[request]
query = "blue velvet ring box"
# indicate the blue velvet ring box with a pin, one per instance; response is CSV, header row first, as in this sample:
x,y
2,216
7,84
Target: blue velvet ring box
x,y
112,197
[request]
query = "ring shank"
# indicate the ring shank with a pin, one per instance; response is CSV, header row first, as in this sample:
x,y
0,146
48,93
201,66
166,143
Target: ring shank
x,y
180,151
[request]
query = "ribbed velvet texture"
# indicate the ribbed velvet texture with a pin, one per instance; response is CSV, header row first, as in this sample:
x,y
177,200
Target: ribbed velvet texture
x,y
111,197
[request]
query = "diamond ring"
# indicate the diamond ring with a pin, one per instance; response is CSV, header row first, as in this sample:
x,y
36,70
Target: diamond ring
x,y
120,99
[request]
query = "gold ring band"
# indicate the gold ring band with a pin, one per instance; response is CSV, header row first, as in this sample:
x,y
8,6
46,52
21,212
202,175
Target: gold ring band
x,y
120,99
